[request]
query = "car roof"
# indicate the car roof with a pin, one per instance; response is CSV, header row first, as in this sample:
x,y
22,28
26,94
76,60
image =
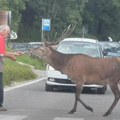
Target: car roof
x,y
108,42
80,40
32,43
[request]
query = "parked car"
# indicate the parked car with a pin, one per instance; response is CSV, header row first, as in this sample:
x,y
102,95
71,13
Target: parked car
x,y
112,49
55,79
35,44
23,47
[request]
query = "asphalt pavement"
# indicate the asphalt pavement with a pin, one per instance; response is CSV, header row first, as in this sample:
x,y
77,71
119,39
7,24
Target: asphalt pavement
x,y
30,101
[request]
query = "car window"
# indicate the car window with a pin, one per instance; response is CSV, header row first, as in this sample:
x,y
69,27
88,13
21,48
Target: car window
x,y
35,45
20,47
110,46
80,48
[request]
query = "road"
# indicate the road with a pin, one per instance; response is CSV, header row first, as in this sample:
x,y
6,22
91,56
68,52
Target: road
x,y
32,102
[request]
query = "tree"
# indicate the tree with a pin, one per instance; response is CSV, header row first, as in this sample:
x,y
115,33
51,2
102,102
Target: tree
x,y
61,12
15,6
103,18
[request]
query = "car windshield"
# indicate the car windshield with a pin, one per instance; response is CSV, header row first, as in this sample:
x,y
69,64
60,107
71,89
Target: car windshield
x,y
80,48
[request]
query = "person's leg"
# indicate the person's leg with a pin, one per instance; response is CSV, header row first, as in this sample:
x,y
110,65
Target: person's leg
x,y
1,93
1,89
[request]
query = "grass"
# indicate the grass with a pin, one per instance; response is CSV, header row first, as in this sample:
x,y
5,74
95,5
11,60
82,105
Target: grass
x,y
26,58
14,72
38,64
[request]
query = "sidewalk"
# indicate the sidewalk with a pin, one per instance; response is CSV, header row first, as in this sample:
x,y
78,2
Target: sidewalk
x,y
39,73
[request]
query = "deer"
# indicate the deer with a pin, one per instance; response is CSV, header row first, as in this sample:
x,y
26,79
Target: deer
x,y
83,69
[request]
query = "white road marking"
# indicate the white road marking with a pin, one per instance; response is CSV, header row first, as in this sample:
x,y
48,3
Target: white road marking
x,y
58,118
12,117
12,88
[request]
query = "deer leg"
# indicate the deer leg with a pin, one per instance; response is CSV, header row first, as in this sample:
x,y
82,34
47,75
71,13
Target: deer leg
x,y
75,107
116,92
77,98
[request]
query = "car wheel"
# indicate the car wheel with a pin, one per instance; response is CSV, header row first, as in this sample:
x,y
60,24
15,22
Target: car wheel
x,y
48,88
101,90
105,87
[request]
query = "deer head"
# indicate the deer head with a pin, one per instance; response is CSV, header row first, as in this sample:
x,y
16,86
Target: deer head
x,y
42,52
46,50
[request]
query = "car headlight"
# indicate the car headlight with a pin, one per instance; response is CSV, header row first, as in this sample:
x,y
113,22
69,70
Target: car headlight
x,y
51,79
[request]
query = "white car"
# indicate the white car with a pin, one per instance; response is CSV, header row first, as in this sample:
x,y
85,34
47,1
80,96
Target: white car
x,y
91,47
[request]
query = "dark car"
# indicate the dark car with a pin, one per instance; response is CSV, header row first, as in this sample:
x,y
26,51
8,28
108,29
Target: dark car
x,y
35,44
111,49
23,47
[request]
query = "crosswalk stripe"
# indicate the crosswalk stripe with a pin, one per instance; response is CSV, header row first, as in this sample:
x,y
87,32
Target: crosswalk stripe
x,y
58,118
12,117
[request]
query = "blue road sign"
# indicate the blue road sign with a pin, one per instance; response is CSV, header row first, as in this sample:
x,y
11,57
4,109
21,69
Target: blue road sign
x,y
46,24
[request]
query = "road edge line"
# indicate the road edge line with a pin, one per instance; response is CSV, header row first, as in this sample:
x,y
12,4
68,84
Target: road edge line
x,y
24,84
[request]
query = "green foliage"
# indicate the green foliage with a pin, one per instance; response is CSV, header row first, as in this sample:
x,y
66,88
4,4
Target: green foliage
x,y
61,12
4,5
38,64
14,72
103,18
28,34
100,18
15,6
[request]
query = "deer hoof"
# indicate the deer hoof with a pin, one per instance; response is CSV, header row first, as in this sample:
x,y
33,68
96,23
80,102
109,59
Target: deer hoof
x,y
106,114
90,109
71,112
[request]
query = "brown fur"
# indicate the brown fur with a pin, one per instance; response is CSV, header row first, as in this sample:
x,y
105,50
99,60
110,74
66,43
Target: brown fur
x,y
83,69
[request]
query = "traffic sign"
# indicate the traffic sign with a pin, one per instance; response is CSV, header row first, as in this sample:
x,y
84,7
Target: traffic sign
x,y
46,24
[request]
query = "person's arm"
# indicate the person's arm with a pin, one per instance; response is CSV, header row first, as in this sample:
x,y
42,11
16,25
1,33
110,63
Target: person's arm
x,y
12,55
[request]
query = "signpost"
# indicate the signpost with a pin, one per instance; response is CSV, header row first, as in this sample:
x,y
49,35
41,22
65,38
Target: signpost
x,y
46,26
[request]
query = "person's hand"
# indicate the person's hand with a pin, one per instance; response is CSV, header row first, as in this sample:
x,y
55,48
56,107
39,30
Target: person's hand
x,y
12,57
19,53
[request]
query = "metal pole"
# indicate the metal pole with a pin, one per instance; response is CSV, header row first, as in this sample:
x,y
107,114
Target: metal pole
x,y
83,31
42,36
9,23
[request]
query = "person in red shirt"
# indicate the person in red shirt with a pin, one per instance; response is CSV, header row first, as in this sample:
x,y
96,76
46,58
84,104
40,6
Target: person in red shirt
x,y
4,33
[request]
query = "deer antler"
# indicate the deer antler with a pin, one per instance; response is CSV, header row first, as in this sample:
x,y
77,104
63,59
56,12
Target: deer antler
x,y
65,33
